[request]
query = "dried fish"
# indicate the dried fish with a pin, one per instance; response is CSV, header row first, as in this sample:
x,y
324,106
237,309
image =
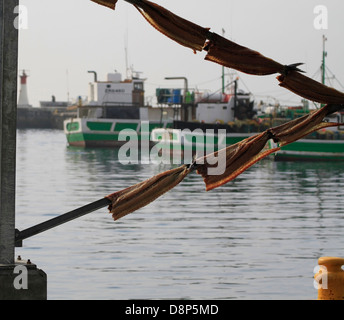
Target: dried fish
x,y
310,89
232,55
239,157
243,155
135,197
107,3
298,128
176,28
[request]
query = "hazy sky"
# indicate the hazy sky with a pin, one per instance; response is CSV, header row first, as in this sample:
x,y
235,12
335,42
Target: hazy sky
x,y
66,38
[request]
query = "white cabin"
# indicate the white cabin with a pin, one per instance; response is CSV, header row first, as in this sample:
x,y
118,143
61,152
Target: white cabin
x,y
114,91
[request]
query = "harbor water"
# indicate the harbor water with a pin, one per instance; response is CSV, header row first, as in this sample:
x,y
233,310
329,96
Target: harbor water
x,y
257,237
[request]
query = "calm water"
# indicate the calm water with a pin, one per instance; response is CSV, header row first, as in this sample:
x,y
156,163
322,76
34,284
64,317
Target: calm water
x,y
258,237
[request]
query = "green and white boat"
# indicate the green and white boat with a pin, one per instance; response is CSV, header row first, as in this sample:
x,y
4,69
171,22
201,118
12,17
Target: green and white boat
x,y
114,109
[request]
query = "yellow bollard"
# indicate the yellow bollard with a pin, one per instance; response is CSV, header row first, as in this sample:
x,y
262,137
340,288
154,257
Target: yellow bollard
x,y
330,278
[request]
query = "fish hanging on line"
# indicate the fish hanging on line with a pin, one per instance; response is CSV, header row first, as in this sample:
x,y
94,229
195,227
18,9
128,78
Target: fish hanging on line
x,y
230,54
296,129
182,31
238,158
243,155
310,89
107,3
135,197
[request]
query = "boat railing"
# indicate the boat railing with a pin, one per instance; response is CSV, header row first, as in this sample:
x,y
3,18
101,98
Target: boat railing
x,y
120,104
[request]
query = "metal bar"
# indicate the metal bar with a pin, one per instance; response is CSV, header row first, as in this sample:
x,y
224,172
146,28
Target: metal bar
x,y
95,75
54,222
8,124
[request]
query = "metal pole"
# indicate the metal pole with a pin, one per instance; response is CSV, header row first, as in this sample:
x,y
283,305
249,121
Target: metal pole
x,y
186,85
323,67
223,69
54,222
8,124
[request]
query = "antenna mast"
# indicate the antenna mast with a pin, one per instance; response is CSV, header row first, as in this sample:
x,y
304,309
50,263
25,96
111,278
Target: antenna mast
x,y
323,60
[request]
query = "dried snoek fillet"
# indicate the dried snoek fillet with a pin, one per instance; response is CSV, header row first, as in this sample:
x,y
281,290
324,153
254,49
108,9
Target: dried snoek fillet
x,y
239,157
242,155
310,89
300,127
176,28
232,55
135,197
107,3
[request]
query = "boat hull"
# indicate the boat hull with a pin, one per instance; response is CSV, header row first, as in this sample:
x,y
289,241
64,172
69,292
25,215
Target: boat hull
x,y
182,146
312,150
108,133
192,143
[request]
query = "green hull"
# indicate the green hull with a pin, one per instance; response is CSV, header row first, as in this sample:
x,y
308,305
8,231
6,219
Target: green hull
x,y
84,132
186,144
301,150
312,150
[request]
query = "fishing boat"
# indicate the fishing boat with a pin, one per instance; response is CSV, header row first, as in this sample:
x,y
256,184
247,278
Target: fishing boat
x,y
113,111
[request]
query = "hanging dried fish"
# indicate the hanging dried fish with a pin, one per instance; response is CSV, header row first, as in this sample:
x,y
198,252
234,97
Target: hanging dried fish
x,y
299,128
232,55
332,108
243,155
310,89
176,28
107,3
135,197
239,157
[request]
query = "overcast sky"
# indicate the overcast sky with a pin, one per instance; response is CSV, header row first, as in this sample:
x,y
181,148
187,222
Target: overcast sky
x,y
66,38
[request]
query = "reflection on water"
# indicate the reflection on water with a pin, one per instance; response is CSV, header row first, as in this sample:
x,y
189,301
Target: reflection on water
x,y
258,237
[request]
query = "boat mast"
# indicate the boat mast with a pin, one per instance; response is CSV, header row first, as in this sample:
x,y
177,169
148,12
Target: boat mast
x,y
323,60
324,55
223,69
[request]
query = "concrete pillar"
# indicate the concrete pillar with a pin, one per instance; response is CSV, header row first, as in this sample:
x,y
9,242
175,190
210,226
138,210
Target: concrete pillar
x,y
18,280
22,281
8,123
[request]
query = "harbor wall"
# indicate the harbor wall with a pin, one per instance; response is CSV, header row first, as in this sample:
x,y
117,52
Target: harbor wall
x,y
39,118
